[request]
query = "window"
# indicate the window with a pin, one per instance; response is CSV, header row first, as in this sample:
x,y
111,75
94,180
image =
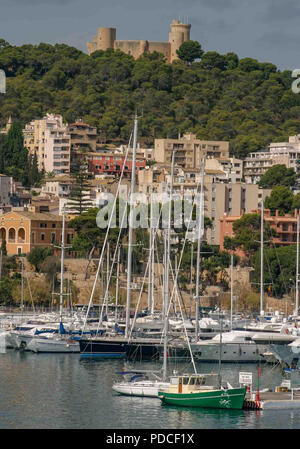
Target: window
x,y
53,225
43,225
53,237
42,236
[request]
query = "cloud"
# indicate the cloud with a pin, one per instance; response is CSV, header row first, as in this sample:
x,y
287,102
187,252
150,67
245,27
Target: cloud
x,y
279,40
279,10
38,2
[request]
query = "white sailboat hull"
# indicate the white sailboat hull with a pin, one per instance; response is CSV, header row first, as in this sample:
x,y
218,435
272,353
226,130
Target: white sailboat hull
x,y
142,388
53,345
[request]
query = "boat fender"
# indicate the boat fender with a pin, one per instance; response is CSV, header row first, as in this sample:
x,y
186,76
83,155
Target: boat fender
x,y
287,331
22,345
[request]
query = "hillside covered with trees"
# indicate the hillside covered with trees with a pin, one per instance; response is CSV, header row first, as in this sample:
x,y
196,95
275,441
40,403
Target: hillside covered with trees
x,y
247,102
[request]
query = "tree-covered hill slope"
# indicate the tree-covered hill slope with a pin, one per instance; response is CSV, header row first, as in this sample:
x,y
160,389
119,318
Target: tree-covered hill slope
x,y
220,97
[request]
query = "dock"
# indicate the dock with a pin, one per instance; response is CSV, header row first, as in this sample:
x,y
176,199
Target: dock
x,y
271,400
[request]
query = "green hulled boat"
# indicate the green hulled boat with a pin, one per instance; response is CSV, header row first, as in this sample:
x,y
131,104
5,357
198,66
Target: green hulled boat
x,y
202,390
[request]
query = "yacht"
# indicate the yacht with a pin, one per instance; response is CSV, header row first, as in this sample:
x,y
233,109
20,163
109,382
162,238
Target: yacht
x,y
287,354
232,346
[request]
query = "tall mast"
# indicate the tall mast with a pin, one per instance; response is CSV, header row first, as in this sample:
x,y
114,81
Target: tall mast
x,y
22,290
107,276
231,292
152,272
130,233
262,258
167,238
150,261
1,255
117,284
297,268
200,229
62,267
191,278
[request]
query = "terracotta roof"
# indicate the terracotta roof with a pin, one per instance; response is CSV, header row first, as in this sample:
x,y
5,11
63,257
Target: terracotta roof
x,y
42,216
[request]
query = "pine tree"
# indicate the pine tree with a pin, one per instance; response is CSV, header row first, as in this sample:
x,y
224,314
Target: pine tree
x,y
3,247
34,174
80,191
14,156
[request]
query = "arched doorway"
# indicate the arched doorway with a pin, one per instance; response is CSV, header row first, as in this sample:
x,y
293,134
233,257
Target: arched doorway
x,y
21,235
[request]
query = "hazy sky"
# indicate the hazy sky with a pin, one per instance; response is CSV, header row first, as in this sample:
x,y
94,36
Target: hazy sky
x,y
267,30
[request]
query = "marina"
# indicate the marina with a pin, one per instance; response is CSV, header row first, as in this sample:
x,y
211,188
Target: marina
x,y
75,392
149,220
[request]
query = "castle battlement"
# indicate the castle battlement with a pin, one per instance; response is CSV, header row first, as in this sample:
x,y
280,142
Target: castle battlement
x,y
106,38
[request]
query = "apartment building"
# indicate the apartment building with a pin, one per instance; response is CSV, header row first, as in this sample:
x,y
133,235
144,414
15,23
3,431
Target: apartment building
x,y
112,163
222,193
49,139
229,199
59,186
285,226
286,153
83,136
189,150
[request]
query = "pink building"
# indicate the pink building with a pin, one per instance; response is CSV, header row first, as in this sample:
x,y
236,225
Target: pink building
x,y
285,226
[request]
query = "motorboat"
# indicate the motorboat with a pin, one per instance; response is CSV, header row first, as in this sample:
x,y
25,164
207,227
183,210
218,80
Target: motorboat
x,y
202,391
232,346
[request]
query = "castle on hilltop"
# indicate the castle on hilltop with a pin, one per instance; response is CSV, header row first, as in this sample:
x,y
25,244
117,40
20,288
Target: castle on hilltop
x,y
106,38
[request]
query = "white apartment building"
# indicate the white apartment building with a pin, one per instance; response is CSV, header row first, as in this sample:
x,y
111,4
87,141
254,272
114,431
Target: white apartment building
x,y
49,139
59,186
286,153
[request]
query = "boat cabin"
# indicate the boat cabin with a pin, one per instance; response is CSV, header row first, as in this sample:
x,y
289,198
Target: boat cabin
x,y
192,383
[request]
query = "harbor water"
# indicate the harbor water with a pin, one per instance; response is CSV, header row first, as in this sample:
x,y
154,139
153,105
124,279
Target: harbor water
x,y
66,391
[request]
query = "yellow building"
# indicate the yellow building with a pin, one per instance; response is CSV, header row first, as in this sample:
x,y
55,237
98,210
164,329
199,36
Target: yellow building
x,y
106,38
24,230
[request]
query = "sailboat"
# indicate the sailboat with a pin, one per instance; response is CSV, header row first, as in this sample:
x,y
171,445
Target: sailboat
x,y
120,345
202,390
62,341
139,384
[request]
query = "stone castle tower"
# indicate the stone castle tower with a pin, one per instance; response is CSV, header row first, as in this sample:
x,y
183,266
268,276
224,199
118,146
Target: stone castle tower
x,y
106,38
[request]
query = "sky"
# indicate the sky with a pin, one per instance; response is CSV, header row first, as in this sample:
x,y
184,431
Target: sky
x,y
267,30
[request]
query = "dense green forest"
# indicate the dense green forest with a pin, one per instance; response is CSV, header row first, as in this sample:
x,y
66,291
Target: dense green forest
x,y
247,102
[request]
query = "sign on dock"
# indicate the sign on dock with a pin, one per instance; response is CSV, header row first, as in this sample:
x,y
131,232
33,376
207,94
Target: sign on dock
x,y
245,378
